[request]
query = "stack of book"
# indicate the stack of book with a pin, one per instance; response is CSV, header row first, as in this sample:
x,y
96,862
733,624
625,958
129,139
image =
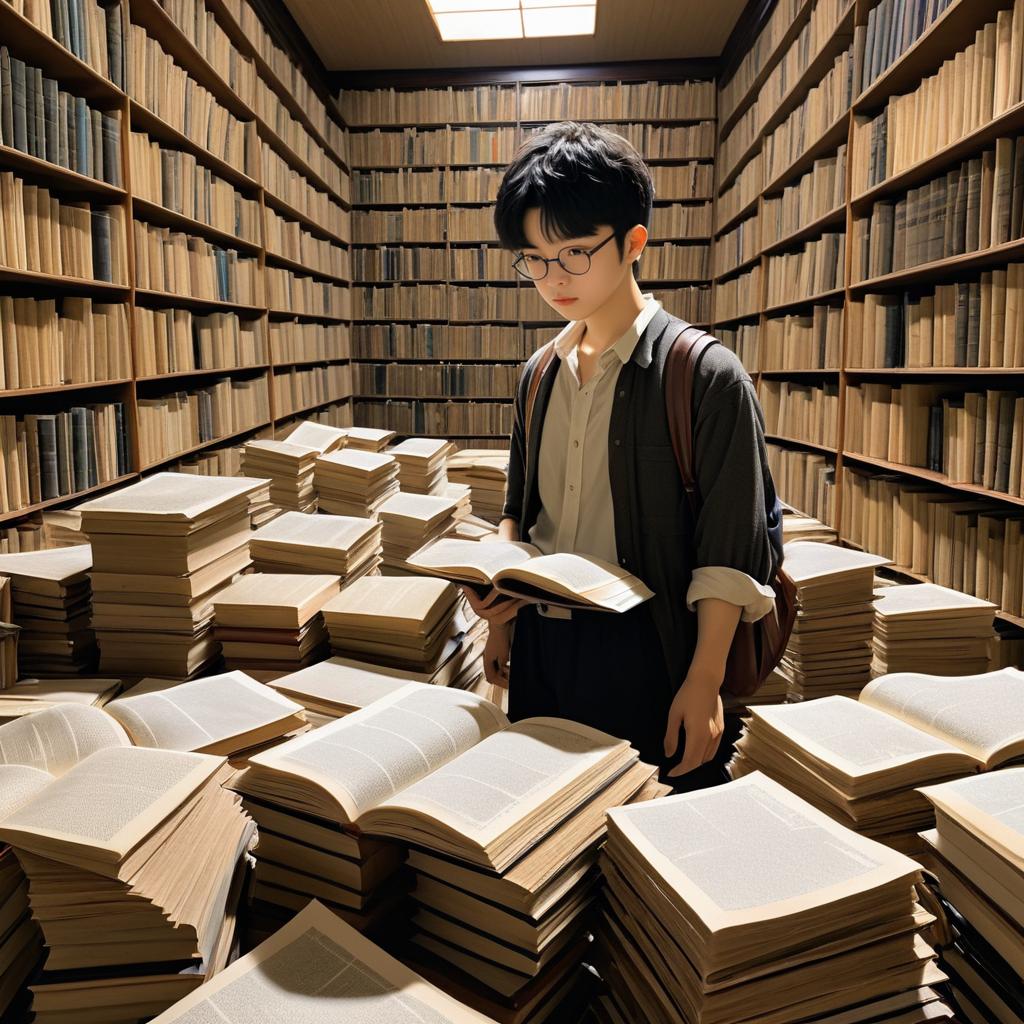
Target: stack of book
x,y
21,944
744,903
829,650
923,627
355,483
50,600
345,546
801,527
976,851
288,466
103,831
486,472
406,622
368,439
860,761
431,766
262,509
273,621
462,495
316,967
320,436
422,463
410,521
507,943
161,548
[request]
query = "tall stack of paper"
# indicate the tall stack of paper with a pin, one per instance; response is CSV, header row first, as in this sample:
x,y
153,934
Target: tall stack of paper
x,y
830,648
861,760
410,521
346,546
797,526
288,466
161,548
230,715
923,627
506,943
262,509
132,859
51,595
744,903
402,622
977,853
273,621
21,943
353,482
320,436
486,472
432,766
317,968
368,439
422,463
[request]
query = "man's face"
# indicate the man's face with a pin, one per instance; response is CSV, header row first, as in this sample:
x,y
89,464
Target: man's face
x,y
576,296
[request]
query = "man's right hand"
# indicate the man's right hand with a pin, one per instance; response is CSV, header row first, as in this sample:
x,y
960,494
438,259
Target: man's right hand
x,y
496,608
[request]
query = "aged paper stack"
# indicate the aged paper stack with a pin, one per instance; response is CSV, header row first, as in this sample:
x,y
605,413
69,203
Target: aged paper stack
x,y
796,526
345,546
161,548
21,943
830,647
861,760
317,968
422,463
272,621
744,903
289,468
486,473
368,439
133,858
923,627
432,767
353,482
977,853
406,622
50,600
410,521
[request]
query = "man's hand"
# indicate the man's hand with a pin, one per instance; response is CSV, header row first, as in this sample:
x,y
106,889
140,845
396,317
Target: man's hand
x,y
496,653
496,608
697,708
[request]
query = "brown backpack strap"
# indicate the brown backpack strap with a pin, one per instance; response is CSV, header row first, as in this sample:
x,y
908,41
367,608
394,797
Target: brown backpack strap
x,y
544,358
680,364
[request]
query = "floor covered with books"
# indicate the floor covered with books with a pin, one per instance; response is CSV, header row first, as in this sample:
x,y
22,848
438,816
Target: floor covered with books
x,y
251,770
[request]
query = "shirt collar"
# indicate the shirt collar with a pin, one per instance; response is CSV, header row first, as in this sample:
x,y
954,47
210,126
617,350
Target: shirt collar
x,y
569,337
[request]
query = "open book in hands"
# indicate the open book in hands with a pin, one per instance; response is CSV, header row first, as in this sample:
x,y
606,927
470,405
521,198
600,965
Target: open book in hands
x,y
520,571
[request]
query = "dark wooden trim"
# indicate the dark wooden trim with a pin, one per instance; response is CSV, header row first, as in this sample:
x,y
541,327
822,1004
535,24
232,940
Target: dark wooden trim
x,y
423,78
738,45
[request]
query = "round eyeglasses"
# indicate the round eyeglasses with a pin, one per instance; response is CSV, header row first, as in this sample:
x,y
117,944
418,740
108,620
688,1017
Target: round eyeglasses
x,y
572,259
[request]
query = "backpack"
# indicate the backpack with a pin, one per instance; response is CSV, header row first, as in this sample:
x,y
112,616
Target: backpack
x,y
757,647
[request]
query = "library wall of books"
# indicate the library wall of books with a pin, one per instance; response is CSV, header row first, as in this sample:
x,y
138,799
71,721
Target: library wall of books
x,y
297,724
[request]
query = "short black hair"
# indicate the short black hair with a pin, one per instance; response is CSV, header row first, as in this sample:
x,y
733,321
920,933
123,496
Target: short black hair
x,y
580,176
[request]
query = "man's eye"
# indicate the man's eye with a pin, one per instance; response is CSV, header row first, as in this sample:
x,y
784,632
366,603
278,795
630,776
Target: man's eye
x,y
531,259
575,252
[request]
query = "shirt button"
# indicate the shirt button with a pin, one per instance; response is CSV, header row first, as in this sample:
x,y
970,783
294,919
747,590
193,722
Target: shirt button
x,y
617,442
572,487
622,394
575,444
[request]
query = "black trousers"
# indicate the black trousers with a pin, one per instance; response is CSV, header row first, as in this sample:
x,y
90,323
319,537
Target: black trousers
x,y
607,671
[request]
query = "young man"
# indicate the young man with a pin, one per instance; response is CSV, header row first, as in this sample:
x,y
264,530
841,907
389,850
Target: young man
x,y
595,473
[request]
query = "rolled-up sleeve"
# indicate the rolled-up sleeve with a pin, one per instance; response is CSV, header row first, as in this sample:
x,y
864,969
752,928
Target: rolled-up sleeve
x,y
733,552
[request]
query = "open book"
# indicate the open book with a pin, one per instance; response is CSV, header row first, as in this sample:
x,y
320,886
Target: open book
x,y
317,967
442,769
521,571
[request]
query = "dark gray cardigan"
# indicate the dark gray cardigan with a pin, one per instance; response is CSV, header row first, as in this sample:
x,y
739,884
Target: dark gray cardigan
x,y
655,536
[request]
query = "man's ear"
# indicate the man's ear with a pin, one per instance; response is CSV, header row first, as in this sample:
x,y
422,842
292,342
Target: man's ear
x,y
636,242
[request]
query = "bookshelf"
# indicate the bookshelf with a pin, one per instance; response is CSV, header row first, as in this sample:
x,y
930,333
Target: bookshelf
x,y
442,355
220,310
894,396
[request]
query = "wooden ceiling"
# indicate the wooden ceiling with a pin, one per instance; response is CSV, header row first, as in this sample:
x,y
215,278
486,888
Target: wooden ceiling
x,y
363,35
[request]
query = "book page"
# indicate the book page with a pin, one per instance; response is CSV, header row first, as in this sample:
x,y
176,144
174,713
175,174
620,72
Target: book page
x,y
196,715
316,435
56,739
981,714
178,496
488,559
18,784
371,754
54,564
855,738
750,851
508,775
107,804
344,682
304,530
317,968
807,560
575,575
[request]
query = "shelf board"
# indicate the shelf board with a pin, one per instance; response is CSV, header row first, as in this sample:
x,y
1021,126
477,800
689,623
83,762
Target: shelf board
x,y
302,268
60,179
225,439
747,210
292,315
309,408
156,214
833,219
825,372
747,264
284,208
155,297
438,360
812,445
289,364
933,371
433,398
60,389
75,496
831,139
822,298
218,371
78,285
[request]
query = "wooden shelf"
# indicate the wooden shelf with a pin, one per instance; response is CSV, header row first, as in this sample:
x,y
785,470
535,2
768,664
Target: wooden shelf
x,y
75,496
309,408
438,360
834,219
433,398
60,389
832,138
287,210
151,296
292,315
60,179
822,298
77,285
224,439
290,364
219,371
748,210
827,372
812,445
302,268
143,209
933,371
